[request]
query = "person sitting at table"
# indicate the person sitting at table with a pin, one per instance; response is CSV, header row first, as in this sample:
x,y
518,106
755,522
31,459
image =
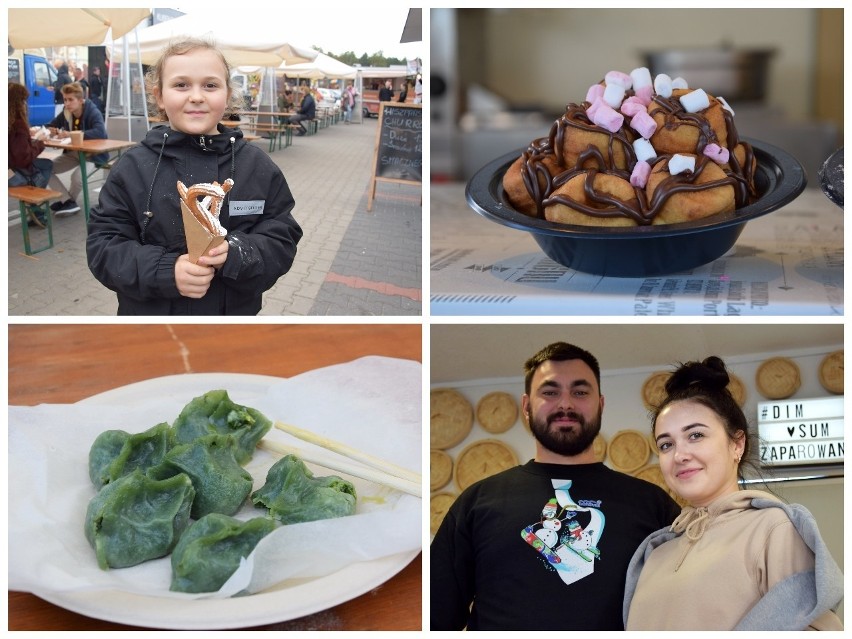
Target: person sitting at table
x,y
307,111
285,103
24,163
83,115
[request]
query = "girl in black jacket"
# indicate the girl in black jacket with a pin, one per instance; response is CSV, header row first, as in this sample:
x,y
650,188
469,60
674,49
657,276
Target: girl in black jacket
x,y
136,244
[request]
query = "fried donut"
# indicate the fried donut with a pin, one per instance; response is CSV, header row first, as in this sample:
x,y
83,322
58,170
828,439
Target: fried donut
x,y
681,132
689,196
529,179
574,133
593,198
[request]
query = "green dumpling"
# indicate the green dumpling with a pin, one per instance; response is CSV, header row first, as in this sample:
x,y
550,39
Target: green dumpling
x,y
116,453
209,551
136,518
221,484
292,493
215,414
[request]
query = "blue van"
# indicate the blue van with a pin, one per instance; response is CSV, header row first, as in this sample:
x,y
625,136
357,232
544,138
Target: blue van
x,y
38,75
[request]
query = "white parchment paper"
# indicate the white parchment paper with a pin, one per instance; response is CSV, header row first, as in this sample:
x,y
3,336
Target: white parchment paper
x,y
372,404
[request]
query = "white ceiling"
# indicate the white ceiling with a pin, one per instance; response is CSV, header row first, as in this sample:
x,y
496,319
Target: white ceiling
x,y
465,352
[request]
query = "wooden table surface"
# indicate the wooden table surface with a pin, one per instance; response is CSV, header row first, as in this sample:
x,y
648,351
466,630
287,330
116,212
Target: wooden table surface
x,y
69,362
92,147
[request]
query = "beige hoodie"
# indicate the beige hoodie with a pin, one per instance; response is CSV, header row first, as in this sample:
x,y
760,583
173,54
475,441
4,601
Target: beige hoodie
x,y
727,558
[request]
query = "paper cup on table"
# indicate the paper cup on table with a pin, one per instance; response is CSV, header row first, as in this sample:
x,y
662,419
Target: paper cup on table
x,y
198,239
76,137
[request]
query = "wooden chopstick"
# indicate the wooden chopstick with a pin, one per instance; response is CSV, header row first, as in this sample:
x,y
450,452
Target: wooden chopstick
x,y
348,451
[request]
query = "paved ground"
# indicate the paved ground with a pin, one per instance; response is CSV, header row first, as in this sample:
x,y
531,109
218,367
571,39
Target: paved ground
x,y
349,262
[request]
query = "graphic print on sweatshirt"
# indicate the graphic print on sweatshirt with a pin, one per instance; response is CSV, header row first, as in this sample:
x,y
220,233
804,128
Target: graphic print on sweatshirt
x,y
567,534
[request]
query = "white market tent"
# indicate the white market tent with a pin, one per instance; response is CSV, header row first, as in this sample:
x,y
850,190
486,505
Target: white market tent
x,y
243,39
35,28
323,66
396,71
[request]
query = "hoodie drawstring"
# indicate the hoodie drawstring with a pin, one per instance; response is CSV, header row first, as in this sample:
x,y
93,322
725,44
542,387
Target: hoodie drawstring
x,y
692,522
148,213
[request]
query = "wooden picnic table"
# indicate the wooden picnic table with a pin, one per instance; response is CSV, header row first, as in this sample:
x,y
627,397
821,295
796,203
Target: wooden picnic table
x,y
89,147
66,363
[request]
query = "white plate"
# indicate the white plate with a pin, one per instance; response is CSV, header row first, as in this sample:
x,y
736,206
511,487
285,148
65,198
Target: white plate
x,y
288,600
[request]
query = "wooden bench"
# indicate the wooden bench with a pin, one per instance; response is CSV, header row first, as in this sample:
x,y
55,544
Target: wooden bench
x,y
33,200
273,131
288,129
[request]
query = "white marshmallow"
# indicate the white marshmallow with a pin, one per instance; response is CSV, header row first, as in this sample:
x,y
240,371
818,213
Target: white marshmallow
x,y
680,163
641,78
644,150
695,101
663,85
679,83
724,104
613,95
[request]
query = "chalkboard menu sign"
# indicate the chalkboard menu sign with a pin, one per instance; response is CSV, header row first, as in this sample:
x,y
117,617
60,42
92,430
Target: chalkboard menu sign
x,y
399,145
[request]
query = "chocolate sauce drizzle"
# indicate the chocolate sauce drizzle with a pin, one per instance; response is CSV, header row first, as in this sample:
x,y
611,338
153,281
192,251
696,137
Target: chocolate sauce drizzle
x,y
541,185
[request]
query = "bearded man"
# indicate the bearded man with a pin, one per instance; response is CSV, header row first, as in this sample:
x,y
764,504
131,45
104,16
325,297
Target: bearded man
x,y
545,545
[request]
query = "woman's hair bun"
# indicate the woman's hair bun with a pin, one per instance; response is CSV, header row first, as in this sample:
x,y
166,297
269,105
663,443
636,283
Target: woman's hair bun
x,y
709,375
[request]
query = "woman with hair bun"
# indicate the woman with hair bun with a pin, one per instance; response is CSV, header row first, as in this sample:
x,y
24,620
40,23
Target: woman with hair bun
x,y
734,559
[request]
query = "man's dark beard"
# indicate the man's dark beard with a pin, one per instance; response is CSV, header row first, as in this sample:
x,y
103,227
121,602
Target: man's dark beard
x,y
570,443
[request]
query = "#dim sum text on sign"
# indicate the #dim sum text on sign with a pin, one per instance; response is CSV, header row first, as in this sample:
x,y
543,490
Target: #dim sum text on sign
x,y
805,431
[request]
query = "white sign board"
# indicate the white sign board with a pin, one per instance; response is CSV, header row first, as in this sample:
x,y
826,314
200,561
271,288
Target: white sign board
x,y
801,432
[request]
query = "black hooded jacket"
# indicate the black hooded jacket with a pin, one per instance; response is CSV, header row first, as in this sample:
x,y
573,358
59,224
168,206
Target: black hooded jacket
x,y
134,254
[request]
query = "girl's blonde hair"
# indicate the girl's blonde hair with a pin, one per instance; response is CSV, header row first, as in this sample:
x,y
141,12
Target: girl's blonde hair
x,y
154,76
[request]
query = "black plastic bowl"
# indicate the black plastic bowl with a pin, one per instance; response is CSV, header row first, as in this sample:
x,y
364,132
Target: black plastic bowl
x,y
643,251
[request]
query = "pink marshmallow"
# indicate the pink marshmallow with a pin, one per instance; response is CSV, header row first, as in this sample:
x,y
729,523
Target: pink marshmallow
x,y
717,153
621,79
594,106
631,106
640,174
595,91
644,94
643,124
608,118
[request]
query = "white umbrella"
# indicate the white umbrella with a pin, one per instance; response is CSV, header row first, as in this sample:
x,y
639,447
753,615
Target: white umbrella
x,y
323,66
32,28
243,39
